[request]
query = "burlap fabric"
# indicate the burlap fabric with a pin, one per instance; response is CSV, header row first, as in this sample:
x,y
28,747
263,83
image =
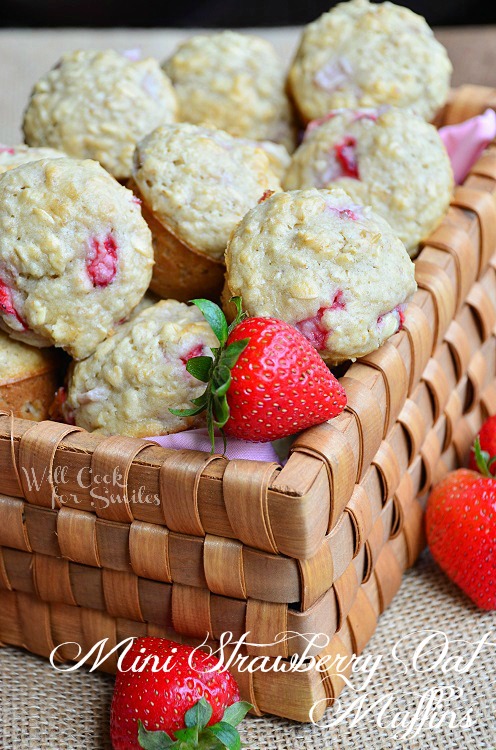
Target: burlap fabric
x,y
41,709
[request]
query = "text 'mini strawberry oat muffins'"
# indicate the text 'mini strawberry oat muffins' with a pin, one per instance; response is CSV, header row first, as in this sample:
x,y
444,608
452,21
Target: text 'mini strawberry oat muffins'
x,y
128,385
234,82
75,254
388,158
98,105
325,264
195,185
14,156
363,54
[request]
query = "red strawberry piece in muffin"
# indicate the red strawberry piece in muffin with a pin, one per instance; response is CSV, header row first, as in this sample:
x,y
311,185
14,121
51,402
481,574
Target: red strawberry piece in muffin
x,y
313,328
102,261
345,153
398,312
197,351
7,304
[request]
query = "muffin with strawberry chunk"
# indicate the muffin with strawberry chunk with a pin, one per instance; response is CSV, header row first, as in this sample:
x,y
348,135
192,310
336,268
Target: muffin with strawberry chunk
x,y
195,185
235,82
14,156
363,54
388,159
75,254
330,267
98,105
128,385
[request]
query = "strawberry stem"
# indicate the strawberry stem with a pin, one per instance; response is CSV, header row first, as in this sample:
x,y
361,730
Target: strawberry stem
x,y
482,459
215,371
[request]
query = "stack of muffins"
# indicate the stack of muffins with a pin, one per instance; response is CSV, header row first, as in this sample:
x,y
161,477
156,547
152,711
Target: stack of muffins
x,y
187,180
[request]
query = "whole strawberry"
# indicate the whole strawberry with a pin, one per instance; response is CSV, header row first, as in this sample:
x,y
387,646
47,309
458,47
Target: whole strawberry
x,y
266,380
173,701
487,440
461,531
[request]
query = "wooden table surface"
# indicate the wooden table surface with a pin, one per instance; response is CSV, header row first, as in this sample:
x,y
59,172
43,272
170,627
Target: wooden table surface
x,y
26,54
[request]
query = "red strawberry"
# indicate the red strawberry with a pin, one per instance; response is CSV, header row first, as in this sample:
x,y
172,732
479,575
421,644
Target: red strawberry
x,y
167,697
461,532
487,439
266,380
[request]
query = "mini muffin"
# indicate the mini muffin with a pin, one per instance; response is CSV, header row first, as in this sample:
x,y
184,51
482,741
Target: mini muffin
x,y
391,160
75,254
326,265
98,105
14,156
28,379
234,82
196,184
132,380
363,54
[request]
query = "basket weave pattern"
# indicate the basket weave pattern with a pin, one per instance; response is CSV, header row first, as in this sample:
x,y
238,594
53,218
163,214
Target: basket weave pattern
x,y
318,546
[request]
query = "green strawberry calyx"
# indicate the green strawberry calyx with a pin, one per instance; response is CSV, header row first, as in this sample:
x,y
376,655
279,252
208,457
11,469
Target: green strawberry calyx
x,y
483,460
215,371
197,734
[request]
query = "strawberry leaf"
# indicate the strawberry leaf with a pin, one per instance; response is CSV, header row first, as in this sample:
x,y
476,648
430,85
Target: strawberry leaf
x,y
186,738
200,367
216,372
240,315
236,712
221,380
199,715
221,411
214,317
187,412
230,356
153,740
201,400
227,735
197,734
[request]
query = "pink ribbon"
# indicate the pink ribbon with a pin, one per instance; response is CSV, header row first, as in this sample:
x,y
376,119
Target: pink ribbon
x,y
466,142
198,440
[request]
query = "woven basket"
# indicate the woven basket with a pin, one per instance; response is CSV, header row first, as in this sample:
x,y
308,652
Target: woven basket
x,y
197,545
